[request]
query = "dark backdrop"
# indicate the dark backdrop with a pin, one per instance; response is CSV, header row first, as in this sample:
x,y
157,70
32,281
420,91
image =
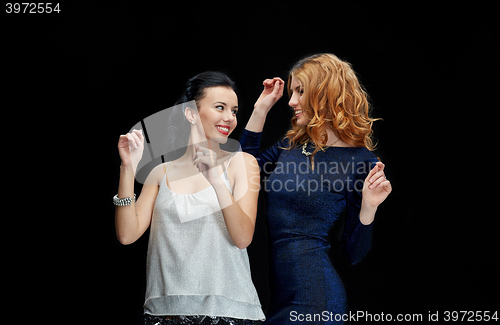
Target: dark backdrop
x,y
75,81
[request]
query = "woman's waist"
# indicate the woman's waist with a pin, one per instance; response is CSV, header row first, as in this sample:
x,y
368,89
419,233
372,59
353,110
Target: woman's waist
x,y
194,255
304,239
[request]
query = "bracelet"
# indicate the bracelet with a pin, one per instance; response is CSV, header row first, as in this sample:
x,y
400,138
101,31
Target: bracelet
x,y
124,201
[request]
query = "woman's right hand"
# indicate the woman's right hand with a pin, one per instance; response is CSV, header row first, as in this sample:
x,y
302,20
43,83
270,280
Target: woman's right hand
x,y
273,90
130,148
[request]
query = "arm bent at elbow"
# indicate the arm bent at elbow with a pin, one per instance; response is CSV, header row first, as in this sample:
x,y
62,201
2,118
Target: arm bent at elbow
x,y
131,221
240,210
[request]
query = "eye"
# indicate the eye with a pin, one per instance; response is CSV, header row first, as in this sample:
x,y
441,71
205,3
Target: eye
x,y
220,107
234,111
301,92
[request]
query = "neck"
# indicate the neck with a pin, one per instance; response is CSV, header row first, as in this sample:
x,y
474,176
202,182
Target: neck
x,y
332,138
207,143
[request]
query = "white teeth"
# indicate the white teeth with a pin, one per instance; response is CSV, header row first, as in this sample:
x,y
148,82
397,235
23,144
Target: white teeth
x,y
223,128
298,112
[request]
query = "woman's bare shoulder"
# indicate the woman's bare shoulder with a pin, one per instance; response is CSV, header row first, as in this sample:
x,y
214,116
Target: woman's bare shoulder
x,y
156,175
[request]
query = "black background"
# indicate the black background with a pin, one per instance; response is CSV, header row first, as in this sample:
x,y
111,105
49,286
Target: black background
x,y
74,81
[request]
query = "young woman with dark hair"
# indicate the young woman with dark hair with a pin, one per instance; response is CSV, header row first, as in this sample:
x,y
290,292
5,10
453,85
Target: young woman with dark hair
x,y
201,209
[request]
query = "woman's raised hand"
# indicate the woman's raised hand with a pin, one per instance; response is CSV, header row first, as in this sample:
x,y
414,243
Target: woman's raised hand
x,y
273,91
376,187
130,148
205,160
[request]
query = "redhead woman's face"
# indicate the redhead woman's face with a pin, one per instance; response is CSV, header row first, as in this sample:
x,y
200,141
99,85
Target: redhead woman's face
x,y
296,102
217,110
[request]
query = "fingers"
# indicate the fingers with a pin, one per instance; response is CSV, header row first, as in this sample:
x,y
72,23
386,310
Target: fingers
x,y
203,163
135,139
371,173
380,165
200,151
123,138
376,172
273,83
205,156
386,185
199,164
279,81
376,177
273,91
378,181
276,88
268,83
139,134
282,85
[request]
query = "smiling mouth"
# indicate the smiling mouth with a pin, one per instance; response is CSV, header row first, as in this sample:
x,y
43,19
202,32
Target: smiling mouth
x,y
298,112
223,129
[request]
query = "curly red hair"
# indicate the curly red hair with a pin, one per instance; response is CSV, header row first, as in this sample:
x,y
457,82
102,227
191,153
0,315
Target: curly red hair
x,y
333,98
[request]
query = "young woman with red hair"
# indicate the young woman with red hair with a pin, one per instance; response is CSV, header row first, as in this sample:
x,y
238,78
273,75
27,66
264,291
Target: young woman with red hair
x,y
331,135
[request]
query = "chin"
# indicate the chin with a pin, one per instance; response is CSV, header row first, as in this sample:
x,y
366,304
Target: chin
x,y
303,121
219,139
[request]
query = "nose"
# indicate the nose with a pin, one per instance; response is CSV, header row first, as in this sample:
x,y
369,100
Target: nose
x,y
294,101
228,117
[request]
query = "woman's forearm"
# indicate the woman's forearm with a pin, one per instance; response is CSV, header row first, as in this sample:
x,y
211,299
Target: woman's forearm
x,y
257,120
126,220
238,223
367,213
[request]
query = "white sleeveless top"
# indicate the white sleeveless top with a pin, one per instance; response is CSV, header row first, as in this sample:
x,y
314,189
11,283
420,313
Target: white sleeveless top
x,y
193,267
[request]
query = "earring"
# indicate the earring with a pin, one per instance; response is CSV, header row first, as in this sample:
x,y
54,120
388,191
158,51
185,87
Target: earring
x,y
192,122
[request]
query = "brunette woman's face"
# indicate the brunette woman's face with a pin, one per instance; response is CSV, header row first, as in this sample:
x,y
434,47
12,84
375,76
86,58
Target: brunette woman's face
x,y
296,102
217,110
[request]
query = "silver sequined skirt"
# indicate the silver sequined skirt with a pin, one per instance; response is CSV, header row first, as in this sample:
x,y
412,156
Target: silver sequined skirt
x,y
194,320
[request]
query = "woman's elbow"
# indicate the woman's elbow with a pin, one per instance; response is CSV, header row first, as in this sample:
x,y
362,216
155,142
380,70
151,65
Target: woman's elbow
x,y
125,239
354,258
243,242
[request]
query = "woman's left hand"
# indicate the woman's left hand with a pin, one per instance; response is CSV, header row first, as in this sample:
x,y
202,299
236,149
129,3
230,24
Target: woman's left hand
x,y
206,161
376,187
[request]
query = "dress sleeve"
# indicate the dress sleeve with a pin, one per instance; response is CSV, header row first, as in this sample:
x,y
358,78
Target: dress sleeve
x,y
356,238
250,143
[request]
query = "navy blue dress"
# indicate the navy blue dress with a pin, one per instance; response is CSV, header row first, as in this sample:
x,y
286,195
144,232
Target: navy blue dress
x,y
303,205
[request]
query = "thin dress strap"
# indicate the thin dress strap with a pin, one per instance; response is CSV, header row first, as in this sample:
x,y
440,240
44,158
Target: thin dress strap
x,y
229,161
225,171
167,169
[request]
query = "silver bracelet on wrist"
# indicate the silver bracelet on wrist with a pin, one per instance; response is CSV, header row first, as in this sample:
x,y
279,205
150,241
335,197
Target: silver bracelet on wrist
x,y
124,201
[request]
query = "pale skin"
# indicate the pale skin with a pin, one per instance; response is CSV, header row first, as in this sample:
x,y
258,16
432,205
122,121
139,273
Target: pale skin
x,y
199,168
376,187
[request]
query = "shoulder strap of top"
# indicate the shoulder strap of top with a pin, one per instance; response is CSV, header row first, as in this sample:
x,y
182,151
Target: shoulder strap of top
x,y
225,171
167,169
226,164
229,161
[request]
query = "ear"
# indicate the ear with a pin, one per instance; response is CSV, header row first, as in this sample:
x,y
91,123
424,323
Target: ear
x,y
189,114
